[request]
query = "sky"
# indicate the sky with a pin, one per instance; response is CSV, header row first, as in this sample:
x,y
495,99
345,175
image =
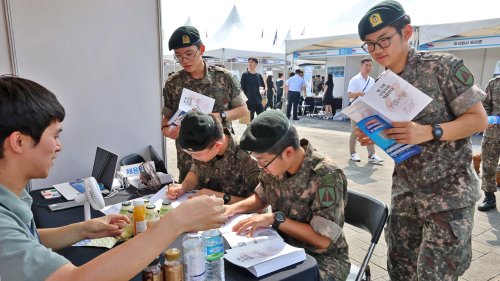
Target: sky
x,y
311,18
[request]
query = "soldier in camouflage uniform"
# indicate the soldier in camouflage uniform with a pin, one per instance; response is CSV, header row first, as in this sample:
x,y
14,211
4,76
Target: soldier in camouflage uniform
x,y
198,76
219,166
306,191
490,146
433,193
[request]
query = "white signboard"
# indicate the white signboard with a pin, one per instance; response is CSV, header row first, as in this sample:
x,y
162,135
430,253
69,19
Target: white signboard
x,y
462,43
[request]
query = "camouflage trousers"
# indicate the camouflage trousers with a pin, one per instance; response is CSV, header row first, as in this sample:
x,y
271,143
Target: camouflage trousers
x,y
428,247
490,152
331,268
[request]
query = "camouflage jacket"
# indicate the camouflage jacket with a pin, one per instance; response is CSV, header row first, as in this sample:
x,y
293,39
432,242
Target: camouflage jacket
x,y
492,106
316,194
235,172
441,176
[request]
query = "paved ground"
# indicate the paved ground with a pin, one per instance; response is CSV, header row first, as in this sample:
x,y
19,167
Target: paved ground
x,y
332,139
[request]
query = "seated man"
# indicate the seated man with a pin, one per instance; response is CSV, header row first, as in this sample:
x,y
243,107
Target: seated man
x,y
306,191
30,122
219,166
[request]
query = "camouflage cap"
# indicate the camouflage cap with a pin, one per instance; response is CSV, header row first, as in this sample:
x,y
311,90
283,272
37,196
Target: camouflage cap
x,y
197,131
379,16
184,36
265,131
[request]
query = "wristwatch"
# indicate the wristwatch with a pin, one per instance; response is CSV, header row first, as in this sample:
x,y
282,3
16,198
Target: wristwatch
x,y
223,115
279,218
226,197
437,132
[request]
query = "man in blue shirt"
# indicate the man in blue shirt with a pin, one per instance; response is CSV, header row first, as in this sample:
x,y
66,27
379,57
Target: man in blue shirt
x,y
294,86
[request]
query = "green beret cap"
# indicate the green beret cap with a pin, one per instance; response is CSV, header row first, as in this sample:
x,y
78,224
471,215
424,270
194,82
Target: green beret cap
x,y
184,36
379,16
196,132
265,131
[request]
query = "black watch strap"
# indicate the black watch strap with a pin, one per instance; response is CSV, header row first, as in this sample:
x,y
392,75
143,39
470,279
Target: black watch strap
x,y
437,132
279,218
226,198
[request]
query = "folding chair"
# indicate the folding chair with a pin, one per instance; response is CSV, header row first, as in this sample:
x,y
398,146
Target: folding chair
x,y
318,106
131,159
369,214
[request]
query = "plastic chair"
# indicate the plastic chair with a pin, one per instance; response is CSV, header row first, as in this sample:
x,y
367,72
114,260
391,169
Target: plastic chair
x,y
318,106
131,159
369,214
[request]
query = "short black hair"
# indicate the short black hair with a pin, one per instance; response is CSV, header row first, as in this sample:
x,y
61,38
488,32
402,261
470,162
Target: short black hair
x,y
254,60
280,74
366,60
27,107
398,25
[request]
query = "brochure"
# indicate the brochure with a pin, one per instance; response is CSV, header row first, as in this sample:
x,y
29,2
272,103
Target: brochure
x,y
390,99
191,100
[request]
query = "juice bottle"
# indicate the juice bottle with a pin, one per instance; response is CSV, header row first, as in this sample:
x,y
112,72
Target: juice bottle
x,y
139,217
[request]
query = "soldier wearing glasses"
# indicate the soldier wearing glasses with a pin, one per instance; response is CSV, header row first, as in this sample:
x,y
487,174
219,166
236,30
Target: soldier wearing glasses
x,y
433,193
306,191
198,76
219,167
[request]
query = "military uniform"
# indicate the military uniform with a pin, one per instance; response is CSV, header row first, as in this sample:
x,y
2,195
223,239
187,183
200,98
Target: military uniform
x,y
490,146
316,194
218,83
433,193
235,172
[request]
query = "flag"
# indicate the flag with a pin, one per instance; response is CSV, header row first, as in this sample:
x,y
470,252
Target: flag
x,y
262,34
303,31
275,37
206,33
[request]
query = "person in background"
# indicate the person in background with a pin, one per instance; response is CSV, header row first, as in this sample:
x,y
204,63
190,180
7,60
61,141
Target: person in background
x,y
358,86
271,92
31,123
328,97
294,86
198,76
490,147
306,191
279,90
433,193
219,166
251,81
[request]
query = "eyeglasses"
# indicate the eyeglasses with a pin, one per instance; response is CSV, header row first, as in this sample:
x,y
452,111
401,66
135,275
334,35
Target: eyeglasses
x,y
187,56
262,167
382,43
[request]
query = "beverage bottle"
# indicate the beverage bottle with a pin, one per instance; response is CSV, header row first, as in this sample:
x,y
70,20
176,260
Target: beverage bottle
x,y
194,257
166,207
129,228
214,250
139,217
493,120
152,216
173,269
153,271
127,205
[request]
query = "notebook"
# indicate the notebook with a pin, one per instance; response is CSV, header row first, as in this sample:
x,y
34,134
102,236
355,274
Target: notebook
x,y
104,170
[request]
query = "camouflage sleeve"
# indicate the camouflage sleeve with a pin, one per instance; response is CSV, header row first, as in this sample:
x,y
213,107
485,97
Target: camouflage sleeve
x,y
237,97
251,178
459,88
260,190
487,101
329,203
169,103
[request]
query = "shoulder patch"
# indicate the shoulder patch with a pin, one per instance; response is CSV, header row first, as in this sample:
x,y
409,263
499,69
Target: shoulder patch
x,y
464,76
326,192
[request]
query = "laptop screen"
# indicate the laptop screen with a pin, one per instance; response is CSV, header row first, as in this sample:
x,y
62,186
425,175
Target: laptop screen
x,y
105,167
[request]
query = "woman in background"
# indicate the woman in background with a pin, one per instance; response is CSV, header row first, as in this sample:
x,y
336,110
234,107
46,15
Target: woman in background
x,y
328,97
271,92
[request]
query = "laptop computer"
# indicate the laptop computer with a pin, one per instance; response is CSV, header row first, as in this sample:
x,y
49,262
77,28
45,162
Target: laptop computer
x,y
103,171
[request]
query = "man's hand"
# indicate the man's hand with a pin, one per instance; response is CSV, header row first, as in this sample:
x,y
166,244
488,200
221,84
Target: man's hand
x,y
206,191
171,131
362,138
251,224
201,213
110,225
409,132
174,190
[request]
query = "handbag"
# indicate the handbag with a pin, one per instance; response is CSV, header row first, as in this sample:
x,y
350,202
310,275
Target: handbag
x,y
361,91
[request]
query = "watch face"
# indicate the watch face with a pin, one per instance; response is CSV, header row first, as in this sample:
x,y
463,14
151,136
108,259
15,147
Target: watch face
x,y
280,216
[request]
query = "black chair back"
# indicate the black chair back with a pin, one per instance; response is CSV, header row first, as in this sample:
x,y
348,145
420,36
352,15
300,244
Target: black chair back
x,y
131,159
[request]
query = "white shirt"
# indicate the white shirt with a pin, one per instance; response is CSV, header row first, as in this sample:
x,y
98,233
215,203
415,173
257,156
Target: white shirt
x,y
358,83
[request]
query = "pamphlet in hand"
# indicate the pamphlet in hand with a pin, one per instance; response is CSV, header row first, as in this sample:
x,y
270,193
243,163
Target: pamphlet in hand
x,y
262,253
390,99
191,100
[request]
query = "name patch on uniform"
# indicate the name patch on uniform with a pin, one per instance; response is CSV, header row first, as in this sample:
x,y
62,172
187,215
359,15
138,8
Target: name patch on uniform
x,y
464,75
375,19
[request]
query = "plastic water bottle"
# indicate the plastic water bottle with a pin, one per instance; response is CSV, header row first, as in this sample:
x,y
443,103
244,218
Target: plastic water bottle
x,y
194,257
214,250
494,120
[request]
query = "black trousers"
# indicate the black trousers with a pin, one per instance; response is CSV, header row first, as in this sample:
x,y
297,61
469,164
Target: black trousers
x,y
255,108
293,99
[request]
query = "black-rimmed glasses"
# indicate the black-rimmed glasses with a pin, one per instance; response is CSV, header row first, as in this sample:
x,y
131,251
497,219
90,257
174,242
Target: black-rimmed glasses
x,y
262,167
188,56
382,43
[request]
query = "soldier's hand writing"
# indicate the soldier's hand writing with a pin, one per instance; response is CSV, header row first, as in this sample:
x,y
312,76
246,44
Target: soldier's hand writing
x,y
409,132
362,138
201,213
174,191
206,191
253,223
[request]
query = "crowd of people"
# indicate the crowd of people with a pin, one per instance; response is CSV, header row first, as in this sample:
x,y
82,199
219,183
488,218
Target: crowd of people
x,y
429,229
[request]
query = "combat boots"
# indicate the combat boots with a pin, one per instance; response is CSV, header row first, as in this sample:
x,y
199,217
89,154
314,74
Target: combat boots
x,y
490,202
